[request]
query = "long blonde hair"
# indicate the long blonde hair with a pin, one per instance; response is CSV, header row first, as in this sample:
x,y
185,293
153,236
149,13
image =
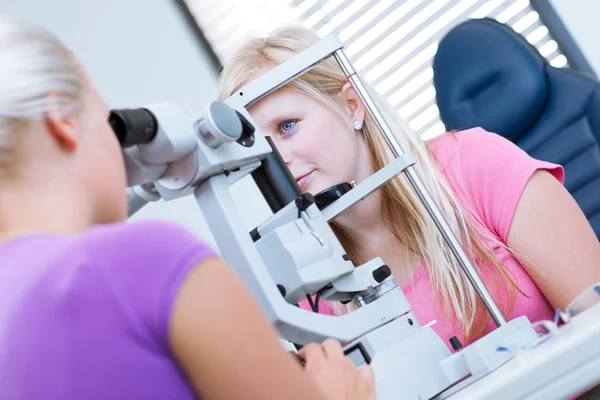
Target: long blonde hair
x,y
402,211
37,74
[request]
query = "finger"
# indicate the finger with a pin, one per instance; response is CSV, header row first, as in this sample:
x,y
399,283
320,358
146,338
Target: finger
x,y
332,349
296,358
311,353
367,373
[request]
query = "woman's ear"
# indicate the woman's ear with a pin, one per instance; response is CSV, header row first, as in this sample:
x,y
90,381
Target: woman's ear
x,y
354,105
63,129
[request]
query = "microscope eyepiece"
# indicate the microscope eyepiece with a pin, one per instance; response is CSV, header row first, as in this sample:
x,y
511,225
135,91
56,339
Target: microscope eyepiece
x,y
133,126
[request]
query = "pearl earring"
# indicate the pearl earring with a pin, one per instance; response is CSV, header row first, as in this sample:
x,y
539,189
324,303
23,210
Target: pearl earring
x,y
357,125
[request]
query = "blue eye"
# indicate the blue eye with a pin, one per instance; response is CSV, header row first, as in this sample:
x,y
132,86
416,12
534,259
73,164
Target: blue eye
x,y
285,127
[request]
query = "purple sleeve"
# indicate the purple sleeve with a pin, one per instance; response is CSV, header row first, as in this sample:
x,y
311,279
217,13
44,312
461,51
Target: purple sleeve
x,y
144,264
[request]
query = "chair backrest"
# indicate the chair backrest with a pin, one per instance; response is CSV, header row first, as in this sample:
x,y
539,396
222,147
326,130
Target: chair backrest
x,y
487,75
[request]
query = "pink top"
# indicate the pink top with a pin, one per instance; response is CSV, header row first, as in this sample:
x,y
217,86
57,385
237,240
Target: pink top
x,y
489,174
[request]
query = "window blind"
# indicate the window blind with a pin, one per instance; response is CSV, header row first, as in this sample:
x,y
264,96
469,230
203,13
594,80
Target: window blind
x,y
390,42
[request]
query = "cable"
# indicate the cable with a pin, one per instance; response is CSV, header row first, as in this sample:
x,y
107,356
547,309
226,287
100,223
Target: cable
x,y
317,299
310,302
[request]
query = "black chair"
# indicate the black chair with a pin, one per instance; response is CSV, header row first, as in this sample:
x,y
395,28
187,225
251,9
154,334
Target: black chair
x,y
487,75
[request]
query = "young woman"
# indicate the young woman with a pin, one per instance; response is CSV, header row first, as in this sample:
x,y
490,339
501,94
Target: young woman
x,y
92,307
530,241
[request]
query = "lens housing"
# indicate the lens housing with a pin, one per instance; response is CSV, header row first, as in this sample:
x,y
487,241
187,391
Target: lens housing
x,y
133,126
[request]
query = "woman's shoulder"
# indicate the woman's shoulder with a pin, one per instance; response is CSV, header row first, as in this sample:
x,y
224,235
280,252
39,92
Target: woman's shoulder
x,y
472,159
471,146
488,172
108,241
140,232
478,156
147,242
143,264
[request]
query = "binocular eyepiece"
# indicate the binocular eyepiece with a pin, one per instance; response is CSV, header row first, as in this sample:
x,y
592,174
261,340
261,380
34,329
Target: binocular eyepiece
x,y
219,124
133,126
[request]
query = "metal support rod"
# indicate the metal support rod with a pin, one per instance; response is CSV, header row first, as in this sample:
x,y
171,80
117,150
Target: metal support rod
x,y
422,192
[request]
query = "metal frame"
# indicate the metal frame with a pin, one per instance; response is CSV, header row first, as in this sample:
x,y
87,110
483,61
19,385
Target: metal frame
x,y
417,184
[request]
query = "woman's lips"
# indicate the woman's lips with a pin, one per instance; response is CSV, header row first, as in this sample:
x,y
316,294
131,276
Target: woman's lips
x,y
303,180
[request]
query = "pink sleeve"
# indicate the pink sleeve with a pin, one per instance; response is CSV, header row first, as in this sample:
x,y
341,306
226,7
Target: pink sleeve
x,y
490,173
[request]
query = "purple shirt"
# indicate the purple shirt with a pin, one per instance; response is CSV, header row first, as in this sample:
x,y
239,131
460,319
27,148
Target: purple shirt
x,y
87,317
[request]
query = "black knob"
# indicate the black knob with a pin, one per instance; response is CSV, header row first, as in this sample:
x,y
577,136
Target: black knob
x,y
381,273
304,201
456,345
255,235
281,289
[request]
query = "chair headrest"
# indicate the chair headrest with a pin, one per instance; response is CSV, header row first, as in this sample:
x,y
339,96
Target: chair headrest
x,y
485,74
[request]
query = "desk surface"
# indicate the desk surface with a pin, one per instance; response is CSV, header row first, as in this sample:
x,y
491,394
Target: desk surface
x,y
562,367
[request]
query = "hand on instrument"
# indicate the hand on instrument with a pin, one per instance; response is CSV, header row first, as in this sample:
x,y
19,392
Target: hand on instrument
x,y
335,374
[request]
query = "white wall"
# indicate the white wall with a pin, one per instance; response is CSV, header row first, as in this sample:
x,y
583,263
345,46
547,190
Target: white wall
x,y
139,52
582,19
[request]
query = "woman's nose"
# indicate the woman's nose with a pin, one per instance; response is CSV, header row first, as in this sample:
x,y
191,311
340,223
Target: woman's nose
x,y
285,153
287,160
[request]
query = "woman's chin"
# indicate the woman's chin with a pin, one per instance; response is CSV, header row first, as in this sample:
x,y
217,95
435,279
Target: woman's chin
x,y
316,189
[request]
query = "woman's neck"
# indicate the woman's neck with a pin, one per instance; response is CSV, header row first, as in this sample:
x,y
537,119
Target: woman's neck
x,y
27,209
363,222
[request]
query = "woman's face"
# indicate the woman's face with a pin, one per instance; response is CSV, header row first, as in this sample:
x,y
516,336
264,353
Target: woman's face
x,y
319,146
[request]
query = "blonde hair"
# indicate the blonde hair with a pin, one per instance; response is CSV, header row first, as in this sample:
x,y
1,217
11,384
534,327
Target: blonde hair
x,y
37,74
402,211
